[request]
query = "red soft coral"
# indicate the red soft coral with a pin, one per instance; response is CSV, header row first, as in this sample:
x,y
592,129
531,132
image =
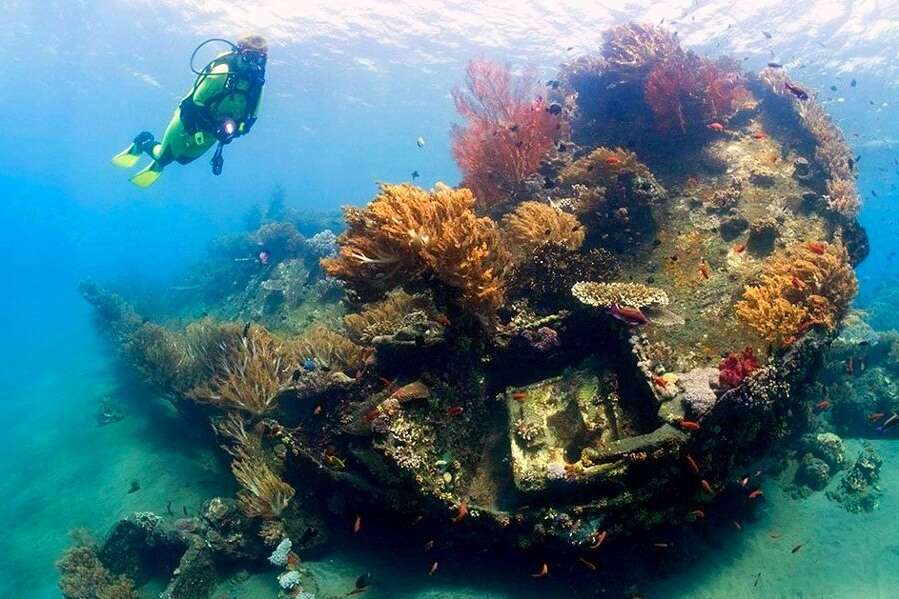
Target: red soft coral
x,y
736,367
686,90
509,129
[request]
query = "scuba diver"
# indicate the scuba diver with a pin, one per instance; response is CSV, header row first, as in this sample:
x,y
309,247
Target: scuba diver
x,y
222,105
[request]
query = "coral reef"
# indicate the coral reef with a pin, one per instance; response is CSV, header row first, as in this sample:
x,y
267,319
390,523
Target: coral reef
x,y
532,224
386,317
407,232
858,490
84,576
807,285
527,363
548,273
508,130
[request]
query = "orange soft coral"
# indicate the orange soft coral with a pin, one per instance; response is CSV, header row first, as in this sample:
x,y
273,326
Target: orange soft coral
x,y
533,224
407,232
509,129
806,285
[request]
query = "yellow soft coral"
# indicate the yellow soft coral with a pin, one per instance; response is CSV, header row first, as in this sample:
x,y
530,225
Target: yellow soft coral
x,y
331,350
533,224
406,232
806,285
250,374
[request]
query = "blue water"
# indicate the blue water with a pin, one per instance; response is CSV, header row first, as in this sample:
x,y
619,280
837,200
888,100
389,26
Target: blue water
x,y
350,88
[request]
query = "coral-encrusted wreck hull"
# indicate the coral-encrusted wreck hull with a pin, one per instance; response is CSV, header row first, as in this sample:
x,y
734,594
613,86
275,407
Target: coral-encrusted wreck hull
x,y
594,359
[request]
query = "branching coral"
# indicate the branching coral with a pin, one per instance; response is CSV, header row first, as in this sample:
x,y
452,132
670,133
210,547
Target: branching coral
x,y
806,285
533,224
509,129
250,374
687,91
387,316
626,295
407,232
83,575
832,150
330,350
636,48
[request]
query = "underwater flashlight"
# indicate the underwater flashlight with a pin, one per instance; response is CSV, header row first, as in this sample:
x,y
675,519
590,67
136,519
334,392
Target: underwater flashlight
x,y
229,127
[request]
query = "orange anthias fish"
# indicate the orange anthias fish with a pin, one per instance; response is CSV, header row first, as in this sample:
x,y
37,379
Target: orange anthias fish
x,y
519,395
739,248
759,135
817,247
544,571
357,525
698,514
706,486
454,410
598,539
689,425
716,127
613,161
756,494
704,270
463,511
694,467
822,405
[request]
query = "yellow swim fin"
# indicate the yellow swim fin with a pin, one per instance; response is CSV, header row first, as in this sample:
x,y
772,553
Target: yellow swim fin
x,y
128,157
147,176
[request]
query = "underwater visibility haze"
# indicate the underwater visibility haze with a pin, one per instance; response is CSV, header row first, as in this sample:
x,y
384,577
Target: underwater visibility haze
x,y
437,300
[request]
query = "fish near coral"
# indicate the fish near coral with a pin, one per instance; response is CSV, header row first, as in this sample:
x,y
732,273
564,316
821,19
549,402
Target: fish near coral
x,y
454,410
357,524
689,425
691,463
697,514
704,270
631,316
756,494
706,487
816,247
598,539
717,127
461,513
822,405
